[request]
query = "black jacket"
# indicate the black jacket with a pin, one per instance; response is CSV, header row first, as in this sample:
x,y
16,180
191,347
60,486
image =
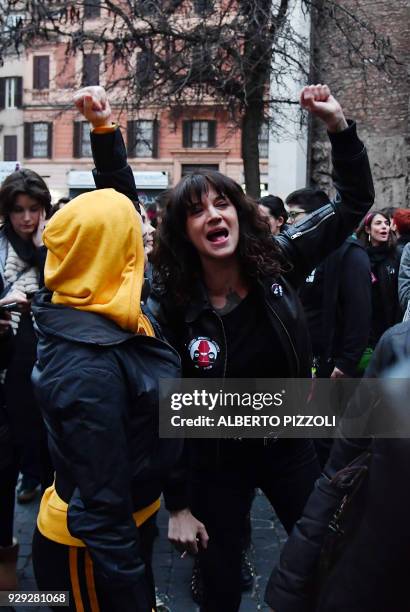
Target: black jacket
x,y
337,301
304,245
97,385
369,575
385,264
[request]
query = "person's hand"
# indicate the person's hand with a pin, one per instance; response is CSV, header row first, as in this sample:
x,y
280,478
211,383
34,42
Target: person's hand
x,y
338,373
186,532
318,100
15,296
38,234
92,103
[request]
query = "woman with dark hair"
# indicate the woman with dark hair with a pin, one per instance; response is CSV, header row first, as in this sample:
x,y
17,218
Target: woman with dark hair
x,y
24,205
380,242
226,295
273,210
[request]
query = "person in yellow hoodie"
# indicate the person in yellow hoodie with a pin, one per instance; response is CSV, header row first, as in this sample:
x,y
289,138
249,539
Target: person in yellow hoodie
x,y
96,380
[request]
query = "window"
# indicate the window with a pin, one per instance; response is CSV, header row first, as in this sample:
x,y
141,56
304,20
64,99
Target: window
x,y
82,140
145,67
91,69
142,137
188,168
41,72
202,6
264,140
11,92
13,20
37,139
199,134
92,9
10,148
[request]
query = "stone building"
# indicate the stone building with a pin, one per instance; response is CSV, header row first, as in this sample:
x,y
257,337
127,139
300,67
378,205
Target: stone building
x,y
380,103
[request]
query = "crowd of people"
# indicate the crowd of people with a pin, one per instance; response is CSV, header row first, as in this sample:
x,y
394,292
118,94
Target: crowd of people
x,y
96,306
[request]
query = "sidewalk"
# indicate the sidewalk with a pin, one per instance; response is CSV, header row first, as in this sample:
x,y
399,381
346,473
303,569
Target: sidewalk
x,y
172,574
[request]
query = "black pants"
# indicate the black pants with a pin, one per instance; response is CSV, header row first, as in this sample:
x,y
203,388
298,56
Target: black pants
x,y
69,568
285,470
8,480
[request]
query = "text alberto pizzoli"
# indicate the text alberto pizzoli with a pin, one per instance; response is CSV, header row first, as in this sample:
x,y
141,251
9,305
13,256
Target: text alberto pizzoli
x,y
257,401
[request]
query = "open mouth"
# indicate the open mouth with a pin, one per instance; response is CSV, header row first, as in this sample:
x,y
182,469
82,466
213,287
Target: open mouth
x,y
217,235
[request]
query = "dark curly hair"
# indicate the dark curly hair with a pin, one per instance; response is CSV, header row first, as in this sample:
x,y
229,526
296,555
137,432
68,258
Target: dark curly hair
x,y
27,182
176,260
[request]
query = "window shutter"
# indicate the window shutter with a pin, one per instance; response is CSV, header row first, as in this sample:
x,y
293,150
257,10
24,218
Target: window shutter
x,y
36,79
44,72
77,139
131,139
155,138
41,72
92,9
10,148
2,93
91,69
28,140
50,141
186,134
211,133
19,92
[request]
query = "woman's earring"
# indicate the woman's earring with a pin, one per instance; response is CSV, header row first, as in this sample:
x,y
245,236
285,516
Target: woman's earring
x,y
368,237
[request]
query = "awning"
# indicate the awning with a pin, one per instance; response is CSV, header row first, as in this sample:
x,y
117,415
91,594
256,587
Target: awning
x,y
83,179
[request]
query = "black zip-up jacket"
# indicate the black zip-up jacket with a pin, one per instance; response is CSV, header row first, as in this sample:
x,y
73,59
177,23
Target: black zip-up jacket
x,y
385,264
304,245
338,306
97,385
368,576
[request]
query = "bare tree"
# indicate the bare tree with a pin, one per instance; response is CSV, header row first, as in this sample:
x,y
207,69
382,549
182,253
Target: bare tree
x,y
188,53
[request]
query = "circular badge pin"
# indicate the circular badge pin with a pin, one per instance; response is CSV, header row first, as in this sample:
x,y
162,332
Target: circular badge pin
x,y
277,290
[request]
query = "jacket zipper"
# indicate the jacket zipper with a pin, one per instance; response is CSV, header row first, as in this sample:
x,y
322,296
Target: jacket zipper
x,y
302,233
225,342
288,335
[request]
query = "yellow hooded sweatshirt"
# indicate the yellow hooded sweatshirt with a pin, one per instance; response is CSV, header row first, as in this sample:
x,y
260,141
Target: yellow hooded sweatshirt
x,y
95,262
95,259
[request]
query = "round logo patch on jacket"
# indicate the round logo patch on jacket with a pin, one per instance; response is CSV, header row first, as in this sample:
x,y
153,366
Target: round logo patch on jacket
x,y
203,352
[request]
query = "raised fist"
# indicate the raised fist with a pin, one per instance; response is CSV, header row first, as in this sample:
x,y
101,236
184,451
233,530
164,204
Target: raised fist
x,y
318,100
92,102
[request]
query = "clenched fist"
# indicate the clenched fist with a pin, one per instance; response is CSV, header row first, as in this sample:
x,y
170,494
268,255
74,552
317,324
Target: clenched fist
x,y
318,100
92,102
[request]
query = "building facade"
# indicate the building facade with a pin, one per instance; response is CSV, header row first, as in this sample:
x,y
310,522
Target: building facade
x,y
379,100
43,131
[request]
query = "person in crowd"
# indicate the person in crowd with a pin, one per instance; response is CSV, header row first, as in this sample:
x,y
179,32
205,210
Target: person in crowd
x,y
401,219
24,206
225,284
304,201
8,459
97,382
350,549
404,279
376,235
273,210
60,204
389,212
148,235
336,297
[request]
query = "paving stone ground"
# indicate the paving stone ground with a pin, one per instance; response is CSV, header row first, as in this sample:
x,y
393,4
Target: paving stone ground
x,y
172,574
